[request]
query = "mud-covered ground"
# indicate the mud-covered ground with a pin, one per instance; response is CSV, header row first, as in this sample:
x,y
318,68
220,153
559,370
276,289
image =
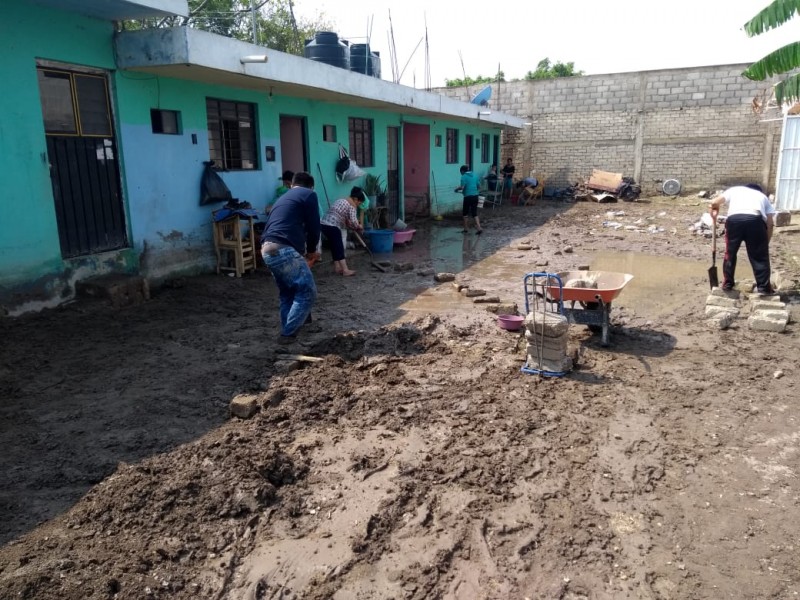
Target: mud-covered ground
x,y
415,460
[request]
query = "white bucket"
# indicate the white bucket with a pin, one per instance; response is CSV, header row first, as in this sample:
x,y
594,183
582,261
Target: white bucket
x,y
481,200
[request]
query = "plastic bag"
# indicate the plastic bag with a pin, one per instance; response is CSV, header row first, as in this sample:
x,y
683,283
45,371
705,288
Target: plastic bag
x,y
212,187
352,172
346,167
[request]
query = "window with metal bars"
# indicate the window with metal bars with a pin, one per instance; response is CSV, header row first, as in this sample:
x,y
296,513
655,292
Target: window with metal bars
x,y
451,150
361,141
231,134
485,147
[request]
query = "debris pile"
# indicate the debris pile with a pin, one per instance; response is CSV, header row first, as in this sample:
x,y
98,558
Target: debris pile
x,y
603,186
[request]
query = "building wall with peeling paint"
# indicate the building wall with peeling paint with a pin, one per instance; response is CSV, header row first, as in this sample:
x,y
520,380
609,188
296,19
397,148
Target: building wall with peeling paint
x,y
696,125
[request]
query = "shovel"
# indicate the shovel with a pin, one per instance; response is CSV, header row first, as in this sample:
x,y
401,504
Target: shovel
x,y
713,277
371,256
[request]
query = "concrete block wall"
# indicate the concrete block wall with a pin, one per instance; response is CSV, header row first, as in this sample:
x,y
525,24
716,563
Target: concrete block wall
x,y
693,124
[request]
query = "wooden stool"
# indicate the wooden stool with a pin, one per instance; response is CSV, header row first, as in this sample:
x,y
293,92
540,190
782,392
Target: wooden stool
x,y
235,244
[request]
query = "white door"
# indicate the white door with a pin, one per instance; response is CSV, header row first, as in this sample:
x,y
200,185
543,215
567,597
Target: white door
x,y
787,188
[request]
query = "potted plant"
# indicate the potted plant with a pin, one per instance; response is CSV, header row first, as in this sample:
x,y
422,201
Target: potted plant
x,y
373,187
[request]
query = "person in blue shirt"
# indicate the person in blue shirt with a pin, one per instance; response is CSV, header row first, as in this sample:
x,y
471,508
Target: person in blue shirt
x,y
469,187
288,245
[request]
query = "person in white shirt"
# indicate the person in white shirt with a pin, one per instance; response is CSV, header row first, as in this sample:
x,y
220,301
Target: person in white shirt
x,y
750,220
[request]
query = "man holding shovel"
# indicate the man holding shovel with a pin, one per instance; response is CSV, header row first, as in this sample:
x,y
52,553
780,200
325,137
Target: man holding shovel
x,y
289,246
750,220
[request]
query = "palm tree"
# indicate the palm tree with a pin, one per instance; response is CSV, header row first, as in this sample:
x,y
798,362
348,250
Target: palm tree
x,y
781,60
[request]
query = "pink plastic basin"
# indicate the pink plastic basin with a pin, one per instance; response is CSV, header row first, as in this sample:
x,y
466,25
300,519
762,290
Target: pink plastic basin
x,y
401,237
510,322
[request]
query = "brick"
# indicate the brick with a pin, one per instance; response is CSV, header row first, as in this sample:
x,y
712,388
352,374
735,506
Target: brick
x,y
768,321
244,406
551,343
717,291
560,366
721,321
766,305
783,218
549,324
713,311
727,302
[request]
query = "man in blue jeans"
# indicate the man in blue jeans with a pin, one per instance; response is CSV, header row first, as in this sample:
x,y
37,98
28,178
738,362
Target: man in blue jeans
x,y
288,245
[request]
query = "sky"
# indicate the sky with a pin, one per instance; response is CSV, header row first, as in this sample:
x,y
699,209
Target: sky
x,y
599,36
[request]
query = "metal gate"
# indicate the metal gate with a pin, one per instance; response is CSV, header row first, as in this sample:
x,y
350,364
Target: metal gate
x,y
787,187
84,168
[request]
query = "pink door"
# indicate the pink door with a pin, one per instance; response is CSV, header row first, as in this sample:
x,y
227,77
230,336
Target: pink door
x,y
416,168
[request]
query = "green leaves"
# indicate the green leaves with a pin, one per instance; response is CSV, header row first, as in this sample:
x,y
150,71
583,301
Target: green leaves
x,y
547,70
788,90
780,61
774,15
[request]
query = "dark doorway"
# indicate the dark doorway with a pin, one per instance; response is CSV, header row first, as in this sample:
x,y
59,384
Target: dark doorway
x,y
293,144
470,141
392,174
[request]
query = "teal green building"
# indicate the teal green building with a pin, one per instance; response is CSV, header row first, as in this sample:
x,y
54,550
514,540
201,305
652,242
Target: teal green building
x,y
105,134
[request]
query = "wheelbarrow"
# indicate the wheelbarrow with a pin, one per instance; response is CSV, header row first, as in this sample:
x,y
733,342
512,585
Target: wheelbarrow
x,y
584,297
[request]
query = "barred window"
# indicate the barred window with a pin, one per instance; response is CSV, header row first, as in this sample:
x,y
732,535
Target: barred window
x,y
231,134
485,147
361,141
452,146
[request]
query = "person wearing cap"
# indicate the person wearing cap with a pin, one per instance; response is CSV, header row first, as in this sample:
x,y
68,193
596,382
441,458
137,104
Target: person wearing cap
x,y
286,184
341,216
288,245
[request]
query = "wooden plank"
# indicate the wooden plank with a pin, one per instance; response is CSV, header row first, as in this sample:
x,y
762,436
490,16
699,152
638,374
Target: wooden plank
x,y
603,180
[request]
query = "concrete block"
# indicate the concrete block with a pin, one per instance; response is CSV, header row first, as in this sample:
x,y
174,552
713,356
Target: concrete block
x,y
507,308
555,366
720,321
794,313
244,406
713,311
758,304
548,324
536,353
286,366
714,300
772,298
783,218
472,292
552,343
768,320
486,300
720,293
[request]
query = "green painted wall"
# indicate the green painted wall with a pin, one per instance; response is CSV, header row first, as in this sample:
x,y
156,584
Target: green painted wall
x,y
169,231
29,243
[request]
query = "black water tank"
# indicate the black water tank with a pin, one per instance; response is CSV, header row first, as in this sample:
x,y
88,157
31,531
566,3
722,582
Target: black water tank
x,y
363,61
326,47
